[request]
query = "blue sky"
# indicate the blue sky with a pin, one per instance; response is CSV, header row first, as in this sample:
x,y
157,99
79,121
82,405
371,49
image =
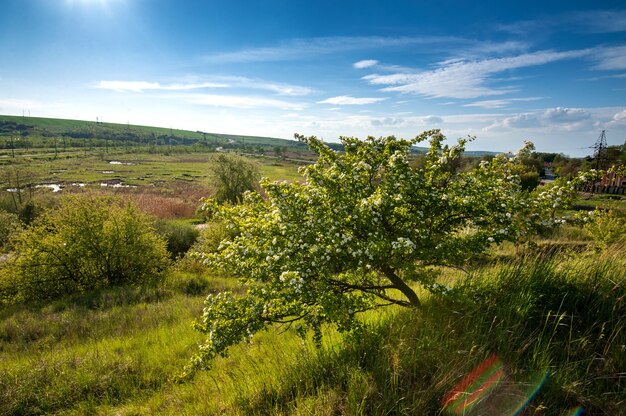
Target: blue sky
x,y
553,72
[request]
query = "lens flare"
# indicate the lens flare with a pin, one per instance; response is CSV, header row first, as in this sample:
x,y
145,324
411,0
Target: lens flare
x,y
475,386
488,389
577,411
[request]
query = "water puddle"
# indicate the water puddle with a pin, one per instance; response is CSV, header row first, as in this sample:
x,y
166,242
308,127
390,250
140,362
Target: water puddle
x,y
116,185
54,187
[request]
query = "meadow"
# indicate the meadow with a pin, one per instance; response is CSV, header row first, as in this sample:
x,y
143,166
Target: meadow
x,y
548,317
117,351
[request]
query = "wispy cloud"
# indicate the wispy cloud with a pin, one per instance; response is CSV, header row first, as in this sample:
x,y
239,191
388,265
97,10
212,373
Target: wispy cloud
x,y
365,63
298,49
611,58
588,21
348,100
141,86
241,102
260,84
466,79
599,21
213,82
491,104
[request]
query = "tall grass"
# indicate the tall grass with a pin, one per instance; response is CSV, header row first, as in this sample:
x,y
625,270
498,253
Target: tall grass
x,y
116,352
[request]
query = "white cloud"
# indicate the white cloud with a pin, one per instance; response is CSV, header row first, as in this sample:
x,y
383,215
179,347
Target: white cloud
x,y
611,58
215,82
141,86
492,104
432,120
260,84
365,63
307,48
387,121
241,102
348,100
520,121
558,118
566,115
278,88
298,49
489,104
618,120
466,79
488,47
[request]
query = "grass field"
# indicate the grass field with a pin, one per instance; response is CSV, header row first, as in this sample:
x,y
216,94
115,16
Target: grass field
x,y
167,186
117,351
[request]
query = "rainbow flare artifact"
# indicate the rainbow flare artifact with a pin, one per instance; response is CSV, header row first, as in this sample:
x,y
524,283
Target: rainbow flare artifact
x,y
488,390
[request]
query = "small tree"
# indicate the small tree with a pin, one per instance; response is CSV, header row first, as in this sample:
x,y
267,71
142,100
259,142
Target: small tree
x,y
361,229
232,175
86,243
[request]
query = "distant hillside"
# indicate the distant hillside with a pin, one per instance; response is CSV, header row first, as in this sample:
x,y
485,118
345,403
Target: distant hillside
x,y
38,132
36,127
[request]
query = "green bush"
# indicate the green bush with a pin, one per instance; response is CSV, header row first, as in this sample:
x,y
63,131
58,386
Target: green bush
x,y
606,228
87,243
9,224
213,233
179,237
529,180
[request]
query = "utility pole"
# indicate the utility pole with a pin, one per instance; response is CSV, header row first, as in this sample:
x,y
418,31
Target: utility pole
x,y
599,153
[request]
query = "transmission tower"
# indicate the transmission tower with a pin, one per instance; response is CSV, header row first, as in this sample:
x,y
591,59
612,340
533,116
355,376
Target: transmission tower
x,y
599,152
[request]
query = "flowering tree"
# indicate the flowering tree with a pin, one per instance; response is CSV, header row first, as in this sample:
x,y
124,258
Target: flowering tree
x,y
359,230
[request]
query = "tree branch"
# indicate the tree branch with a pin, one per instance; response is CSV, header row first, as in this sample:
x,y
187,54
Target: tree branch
x,y
401,286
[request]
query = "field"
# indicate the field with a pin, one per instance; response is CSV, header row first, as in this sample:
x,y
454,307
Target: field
x,y
118,351
548,317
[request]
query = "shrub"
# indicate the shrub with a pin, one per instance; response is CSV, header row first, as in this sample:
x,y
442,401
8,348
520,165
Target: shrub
x,y
179,237
89,242
606,228
9,224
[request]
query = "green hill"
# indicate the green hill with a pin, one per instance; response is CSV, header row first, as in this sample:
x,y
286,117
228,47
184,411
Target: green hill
x,y
39,132
36,131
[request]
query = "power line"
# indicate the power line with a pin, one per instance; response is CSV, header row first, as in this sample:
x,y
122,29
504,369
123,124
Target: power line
x,y
599,153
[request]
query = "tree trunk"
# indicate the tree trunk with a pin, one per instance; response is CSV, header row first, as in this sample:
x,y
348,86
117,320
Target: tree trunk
x,y
402,286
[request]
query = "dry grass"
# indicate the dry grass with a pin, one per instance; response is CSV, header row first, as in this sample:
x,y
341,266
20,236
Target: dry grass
x,y
174,200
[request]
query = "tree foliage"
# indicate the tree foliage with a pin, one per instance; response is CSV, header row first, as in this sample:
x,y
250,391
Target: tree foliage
x,y
359,230
232,175
88,242
9,225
